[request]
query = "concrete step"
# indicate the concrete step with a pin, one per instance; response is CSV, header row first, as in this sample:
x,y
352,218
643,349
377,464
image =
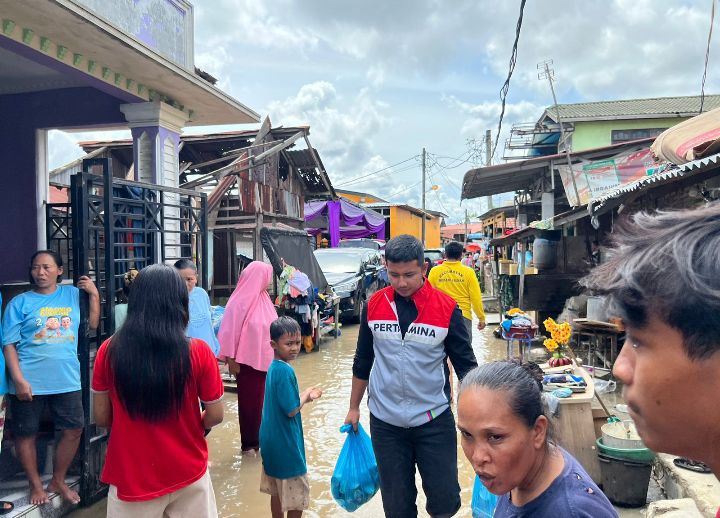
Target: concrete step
x,y
682,508
703,489
16,490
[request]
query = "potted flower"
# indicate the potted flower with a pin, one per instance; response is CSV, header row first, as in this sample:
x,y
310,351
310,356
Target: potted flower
x,y
558,341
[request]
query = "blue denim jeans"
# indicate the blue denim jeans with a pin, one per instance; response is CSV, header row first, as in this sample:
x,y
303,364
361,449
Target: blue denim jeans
x,y
433,448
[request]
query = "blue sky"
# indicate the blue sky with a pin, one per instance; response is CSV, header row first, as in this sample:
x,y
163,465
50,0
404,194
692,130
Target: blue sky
x,y
378,80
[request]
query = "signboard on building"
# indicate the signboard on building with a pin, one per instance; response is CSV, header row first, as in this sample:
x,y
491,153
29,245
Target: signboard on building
x,y
165,26
595,178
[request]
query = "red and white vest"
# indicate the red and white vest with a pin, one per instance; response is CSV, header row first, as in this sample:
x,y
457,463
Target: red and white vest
x,y
407,380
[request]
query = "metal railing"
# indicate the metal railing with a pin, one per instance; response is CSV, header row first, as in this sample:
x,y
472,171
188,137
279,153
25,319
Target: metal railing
x,y
110,226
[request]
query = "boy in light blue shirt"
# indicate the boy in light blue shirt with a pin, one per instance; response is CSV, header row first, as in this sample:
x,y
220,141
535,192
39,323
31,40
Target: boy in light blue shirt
x,y
284,474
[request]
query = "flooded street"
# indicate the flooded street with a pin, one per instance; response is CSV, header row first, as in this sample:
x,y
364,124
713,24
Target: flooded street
x,y
236,478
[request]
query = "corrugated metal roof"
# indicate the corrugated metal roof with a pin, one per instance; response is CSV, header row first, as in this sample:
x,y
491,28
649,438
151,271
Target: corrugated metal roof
x,y
521,174
701,162
358,193
634,108
664,176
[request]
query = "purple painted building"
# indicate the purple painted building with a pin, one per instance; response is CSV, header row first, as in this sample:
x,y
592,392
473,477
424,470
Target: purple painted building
x,y
76,64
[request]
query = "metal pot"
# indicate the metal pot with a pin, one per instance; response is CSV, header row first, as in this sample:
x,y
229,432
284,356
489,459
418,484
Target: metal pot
x,y
621,434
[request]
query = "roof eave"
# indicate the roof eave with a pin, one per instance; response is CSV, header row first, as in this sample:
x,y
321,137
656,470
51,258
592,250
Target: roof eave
x,y
109,56
217,99
669,115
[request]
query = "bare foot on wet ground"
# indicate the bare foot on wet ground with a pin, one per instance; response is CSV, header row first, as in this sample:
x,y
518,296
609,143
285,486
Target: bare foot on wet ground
x,y
64,490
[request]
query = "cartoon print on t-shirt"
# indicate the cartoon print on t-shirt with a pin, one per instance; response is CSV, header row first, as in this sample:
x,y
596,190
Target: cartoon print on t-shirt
x,y
57,327
66,327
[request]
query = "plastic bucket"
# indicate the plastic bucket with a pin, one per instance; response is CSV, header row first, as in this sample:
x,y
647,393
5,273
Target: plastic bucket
x,y
625,482
631,454
544,254
597,309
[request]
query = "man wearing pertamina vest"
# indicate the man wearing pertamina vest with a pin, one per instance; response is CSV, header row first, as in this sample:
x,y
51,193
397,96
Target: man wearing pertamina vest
x,y
407,332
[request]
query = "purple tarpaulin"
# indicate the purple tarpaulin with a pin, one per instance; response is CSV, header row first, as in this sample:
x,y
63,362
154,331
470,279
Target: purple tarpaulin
x,y
344,220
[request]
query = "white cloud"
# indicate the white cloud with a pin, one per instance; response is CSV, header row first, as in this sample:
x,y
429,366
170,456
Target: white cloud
x,y
376,75
262,24
608,50
482,116
342,128
377,80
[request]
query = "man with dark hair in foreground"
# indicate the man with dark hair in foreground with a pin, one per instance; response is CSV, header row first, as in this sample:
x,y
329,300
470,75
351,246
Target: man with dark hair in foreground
x,y
663,279
407,332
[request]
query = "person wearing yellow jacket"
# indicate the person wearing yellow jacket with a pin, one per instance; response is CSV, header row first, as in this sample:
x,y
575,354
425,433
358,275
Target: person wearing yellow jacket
x,y
459,281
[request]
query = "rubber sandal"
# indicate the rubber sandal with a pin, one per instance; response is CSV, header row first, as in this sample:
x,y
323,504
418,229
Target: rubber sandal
x,y
692,465
6,507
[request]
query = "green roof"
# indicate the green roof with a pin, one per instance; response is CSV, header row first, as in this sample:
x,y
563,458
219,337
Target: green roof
x,y
658,107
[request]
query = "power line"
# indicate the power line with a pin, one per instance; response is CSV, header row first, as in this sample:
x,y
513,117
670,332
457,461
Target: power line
x,y
441,204
353,180
436,193
707,57
442,169
444,173
397,171
458,159
405,190
447,177
506,85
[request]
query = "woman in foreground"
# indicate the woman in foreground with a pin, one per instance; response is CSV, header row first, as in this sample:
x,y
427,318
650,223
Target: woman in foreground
x,y
507,438
148,383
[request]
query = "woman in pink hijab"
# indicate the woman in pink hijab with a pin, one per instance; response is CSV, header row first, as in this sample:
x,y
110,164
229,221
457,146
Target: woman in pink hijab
x,y
245,344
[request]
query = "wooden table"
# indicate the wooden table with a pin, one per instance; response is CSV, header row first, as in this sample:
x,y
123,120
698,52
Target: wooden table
x,y
599,335
574,426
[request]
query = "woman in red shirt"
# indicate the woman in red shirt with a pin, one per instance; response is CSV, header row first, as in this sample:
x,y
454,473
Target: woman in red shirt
x,y
149,380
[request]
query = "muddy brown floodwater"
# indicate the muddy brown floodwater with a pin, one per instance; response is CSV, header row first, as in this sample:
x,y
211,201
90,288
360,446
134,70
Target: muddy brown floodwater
x,y
236,478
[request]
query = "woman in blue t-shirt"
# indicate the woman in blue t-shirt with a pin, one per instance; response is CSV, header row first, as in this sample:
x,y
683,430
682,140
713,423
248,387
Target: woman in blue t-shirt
x,y
507,438
40,329
200,324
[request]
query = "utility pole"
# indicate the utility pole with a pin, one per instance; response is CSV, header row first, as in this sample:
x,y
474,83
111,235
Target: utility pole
x,y
548,73
488,161
423,197
466,227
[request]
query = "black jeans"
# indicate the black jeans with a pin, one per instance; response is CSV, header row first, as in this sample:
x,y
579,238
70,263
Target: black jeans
x,y
433,448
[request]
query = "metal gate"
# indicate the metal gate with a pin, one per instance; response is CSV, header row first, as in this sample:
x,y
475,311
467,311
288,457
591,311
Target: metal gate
x,y
109,226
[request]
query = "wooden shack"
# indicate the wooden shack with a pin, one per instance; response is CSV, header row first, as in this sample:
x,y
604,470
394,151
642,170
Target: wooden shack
x,y
253,179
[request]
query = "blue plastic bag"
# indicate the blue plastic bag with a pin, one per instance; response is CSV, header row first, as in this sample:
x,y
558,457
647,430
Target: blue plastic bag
x,y
355,479
483,501
216,315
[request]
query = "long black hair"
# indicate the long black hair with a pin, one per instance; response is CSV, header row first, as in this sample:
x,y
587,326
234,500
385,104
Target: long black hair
x,y
150,354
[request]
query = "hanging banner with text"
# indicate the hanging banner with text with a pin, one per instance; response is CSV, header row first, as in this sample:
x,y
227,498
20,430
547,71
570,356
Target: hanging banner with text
x,y
595,178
